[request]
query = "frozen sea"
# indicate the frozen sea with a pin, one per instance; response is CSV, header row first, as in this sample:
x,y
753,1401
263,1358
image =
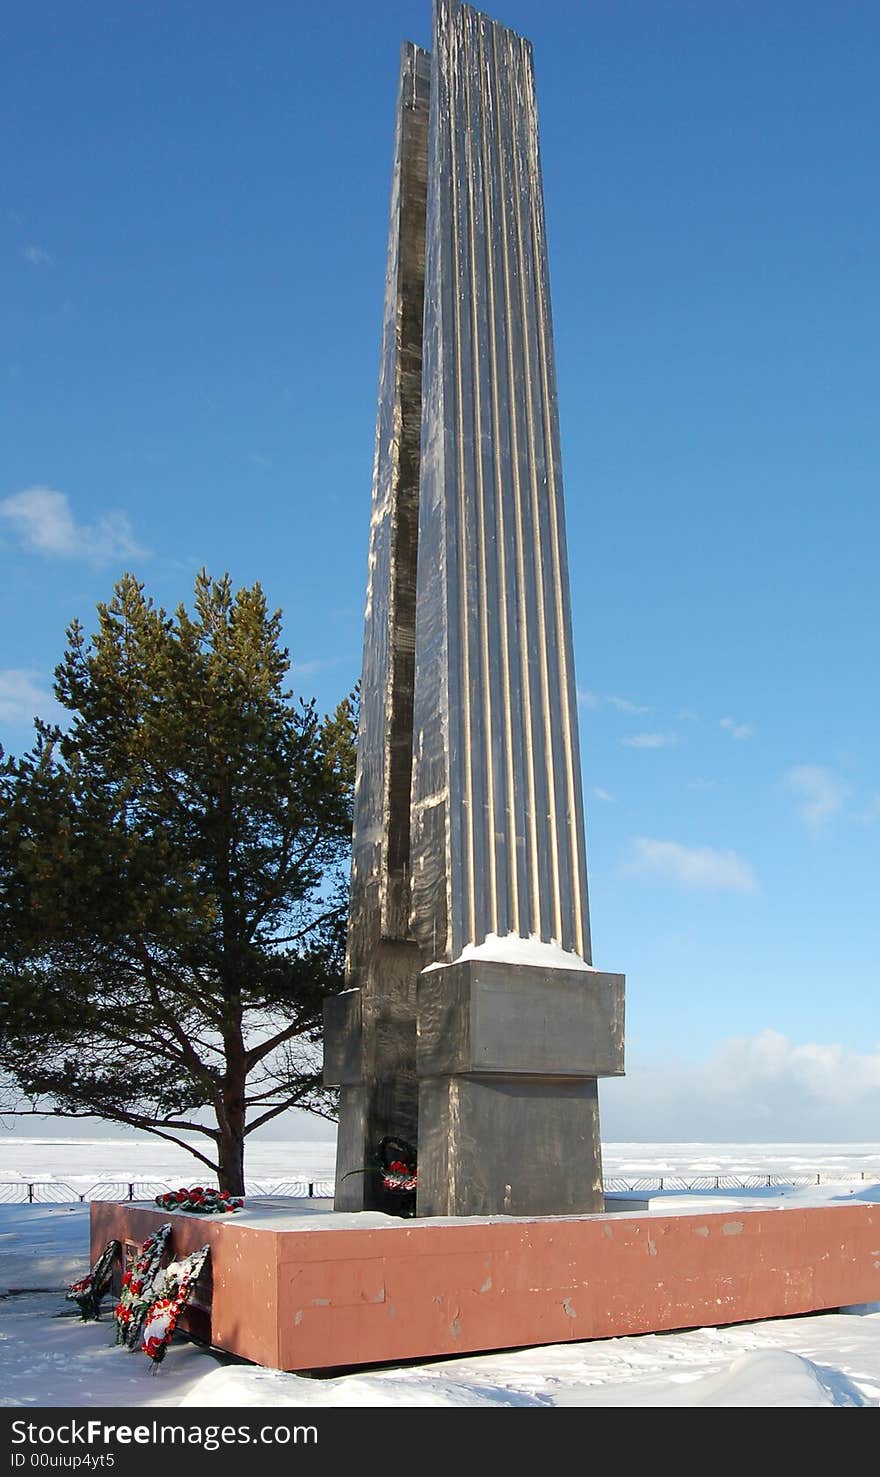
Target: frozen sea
x,y
272,1161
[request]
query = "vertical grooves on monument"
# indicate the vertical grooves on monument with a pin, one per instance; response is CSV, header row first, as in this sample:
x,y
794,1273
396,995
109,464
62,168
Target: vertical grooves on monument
x,y
405,513
381,818
513,919
469,900
486,924
571,810
555,928
530,808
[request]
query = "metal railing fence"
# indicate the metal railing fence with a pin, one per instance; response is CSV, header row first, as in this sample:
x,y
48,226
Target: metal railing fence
x,y
63,1192
618,1184
81,1188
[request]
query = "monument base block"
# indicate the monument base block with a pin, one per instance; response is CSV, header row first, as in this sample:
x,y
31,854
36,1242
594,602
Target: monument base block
x,y
369,1053
299,1288
507,1060
509,1146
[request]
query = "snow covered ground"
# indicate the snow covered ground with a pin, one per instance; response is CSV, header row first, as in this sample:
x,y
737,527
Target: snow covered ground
x,y
126,1159
48,1358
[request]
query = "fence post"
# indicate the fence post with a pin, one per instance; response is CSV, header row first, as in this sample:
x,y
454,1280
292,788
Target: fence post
x,y
131,1192
30,1194
311,1189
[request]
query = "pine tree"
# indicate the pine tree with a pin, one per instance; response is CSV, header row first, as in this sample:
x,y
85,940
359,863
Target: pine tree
x,y
172,888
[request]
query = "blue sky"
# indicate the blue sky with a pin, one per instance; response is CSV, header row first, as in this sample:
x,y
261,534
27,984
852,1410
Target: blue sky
x,y
192,228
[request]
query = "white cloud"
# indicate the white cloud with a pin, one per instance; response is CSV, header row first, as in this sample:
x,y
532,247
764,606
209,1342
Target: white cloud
x,y
601,794
623,705
588,699
23,697
738,730
764,1087
691,866
44,522
820,793
38,256
650,740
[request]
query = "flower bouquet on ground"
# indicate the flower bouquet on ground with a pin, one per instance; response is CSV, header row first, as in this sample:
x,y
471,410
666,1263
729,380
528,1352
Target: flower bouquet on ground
x,y
89,1290
395,1162
200,1201
137,1287
397,1159
173,1291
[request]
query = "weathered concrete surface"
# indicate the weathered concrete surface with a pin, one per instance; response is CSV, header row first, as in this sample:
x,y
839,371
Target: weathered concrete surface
x,y
507,1058
370,1040
481,1015
499,1145
468,808
370,1053
497,825
314,1299
379,906
497,841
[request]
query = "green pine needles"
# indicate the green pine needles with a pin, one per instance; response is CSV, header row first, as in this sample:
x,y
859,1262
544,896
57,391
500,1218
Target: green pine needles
x,y
173,878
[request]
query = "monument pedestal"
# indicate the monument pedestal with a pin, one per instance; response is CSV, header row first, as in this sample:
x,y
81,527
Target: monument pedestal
x,y
369,1054
507,1061
296,1288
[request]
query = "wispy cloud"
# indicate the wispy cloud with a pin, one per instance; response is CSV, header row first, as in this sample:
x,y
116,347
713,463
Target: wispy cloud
x,y
691,866
650,740
24,696
38,256
871,812
623,705
736,730
593,700
601,794
45,524
306,669
819,792
762,1086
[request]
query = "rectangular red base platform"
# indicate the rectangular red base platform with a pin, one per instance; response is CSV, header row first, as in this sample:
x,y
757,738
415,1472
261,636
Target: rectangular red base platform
x,y
312,1291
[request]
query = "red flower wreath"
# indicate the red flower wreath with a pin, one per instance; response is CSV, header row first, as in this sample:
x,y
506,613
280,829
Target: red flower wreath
x,y
201,1201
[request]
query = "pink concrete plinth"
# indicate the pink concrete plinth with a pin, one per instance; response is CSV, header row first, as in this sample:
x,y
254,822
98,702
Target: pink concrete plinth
x,y
315,1292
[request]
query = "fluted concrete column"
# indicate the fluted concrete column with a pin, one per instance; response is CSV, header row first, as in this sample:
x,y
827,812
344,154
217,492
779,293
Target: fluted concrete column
x,y
497,827
474,1023
509,1119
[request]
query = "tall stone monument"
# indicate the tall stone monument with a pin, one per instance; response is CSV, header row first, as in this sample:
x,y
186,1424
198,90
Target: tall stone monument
x,y
474,1024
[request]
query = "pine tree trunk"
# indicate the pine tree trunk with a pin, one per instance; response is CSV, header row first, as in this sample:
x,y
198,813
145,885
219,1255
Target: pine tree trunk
x,y
231,1160
231,1121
